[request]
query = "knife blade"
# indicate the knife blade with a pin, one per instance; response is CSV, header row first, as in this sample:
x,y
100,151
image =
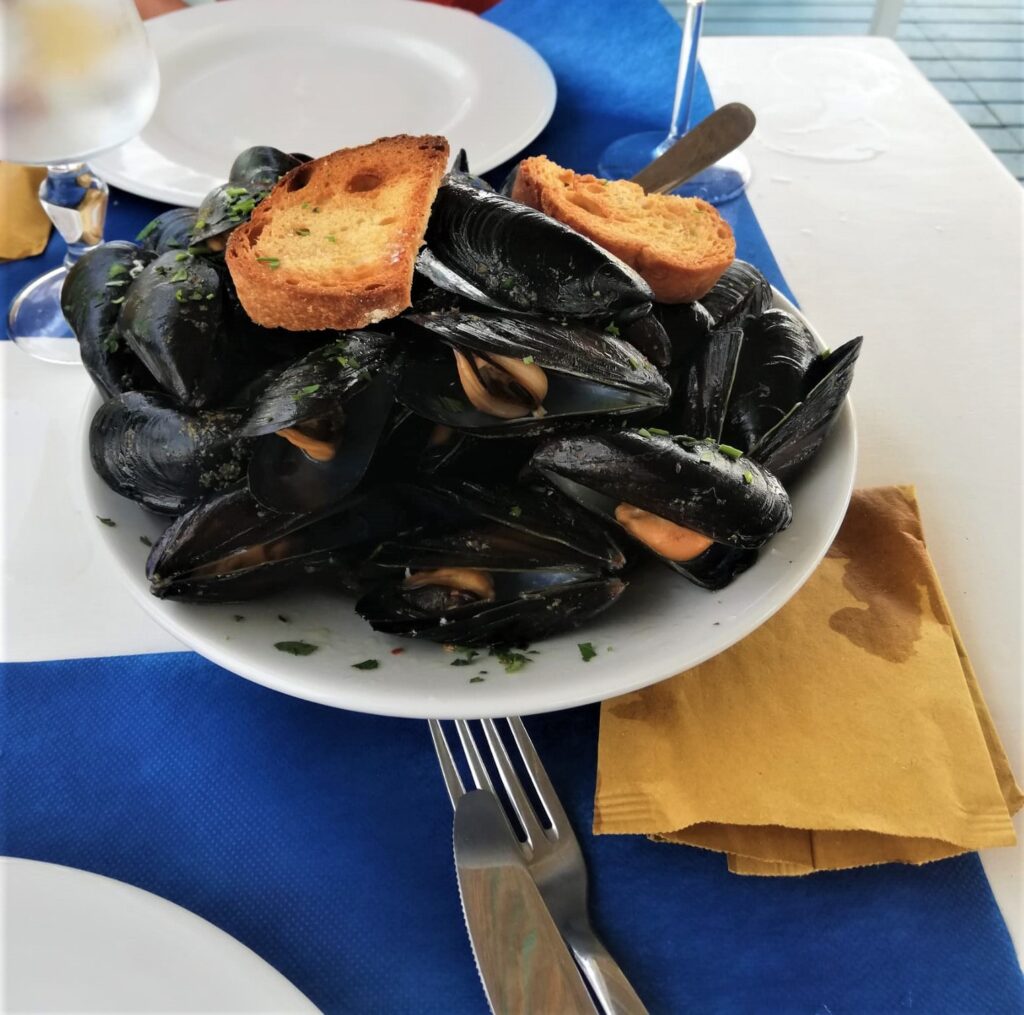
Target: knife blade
x,y
702,146
523,963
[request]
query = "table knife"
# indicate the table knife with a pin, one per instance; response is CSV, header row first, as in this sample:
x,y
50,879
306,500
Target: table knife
x,y
702,146
523,963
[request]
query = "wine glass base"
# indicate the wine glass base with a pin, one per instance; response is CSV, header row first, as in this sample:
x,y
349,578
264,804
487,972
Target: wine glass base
x,y
36,324
723,181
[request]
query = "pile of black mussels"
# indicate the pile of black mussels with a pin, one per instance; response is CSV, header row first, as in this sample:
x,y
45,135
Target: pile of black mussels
x,y
489,467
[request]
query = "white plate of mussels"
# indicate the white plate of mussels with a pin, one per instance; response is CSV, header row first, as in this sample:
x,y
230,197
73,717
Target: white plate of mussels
x,y
504,497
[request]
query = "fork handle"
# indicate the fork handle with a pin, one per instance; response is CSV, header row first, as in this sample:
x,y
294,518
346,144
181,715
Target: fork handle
x,y
613,991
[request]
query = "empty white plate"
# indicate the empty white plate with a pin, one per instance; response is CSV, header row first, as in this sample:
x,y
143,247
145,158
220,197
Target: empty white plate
x,y
316,75
79,942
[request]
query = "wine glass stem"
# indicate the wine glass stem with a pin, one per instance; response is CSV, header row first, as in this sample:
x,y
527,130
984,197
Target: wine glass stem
x,y
75,199
686,76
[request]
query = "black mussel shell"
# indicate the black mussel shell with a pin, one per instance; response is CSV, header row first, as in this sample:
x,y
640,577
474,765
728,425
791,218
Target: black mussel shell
x,y
795,440
451,283
528,606
285,478
777,352
91,299
145,448
705,381
509,183
725,497
319,382
170,230
647,334
593,377
524,258
229,547
716,567
174,319
687,326
261,166
741,292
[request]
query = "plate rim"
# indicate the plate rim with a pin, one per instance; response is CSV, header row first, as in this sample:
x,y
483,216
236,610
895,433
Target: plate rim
x,y
107,167
426,705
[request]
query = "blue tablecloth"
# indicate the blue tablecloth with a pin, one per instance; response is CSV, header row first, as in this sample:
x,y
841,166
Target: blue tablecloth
x,y
320,838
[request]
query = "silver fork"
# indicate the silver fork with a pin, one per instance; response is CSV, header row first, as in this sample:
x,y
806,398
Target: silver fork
x,y
552,854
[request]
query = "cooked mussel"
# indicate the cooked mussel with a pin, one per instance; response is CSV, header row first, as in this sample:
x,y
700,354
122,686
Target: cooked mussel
x,y
741,292
170,230
677,496
229,547
319,422
525,259
510,375
91,299
797,437
514,567
704,383
778,350
145,448
454,289
174,320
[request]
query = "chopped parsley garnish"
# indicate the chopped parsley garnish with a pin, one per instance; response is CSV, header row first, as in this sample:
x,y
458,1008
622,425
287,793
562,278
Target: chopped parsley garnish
x,y
296,648
330,238
528,360
462,660
748,478
825,353
587,650
270,262
476,680
366,664
182,256
343,361
656,431
147,229
107,521
508,283
728,449
199,224
181,275
110,343
283,618
239,618
309,389
305,204
644,432
707,457
210,296
145,540
179,295
235,191
515,511
117,269
635,364
613,329
512,661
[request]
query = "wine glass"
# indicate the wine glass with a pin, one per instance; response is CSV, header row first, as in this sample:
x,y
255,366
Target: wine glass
x,y
76,77
624,158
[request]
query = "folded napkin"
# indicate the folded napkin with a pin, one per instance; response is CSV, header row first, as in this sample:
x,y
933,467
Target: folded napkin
x,y
849,730
24,227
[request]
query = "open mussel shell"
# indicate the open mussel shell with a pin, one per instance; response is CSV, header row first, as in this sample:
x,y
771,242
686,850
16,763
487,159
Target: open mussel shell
x,y
320,381
455,289
704,383
778,350
174,319
795,440
526,259
261,166
170,230
590,377
144,447
229,547
646,333
741,292
693,484
686,325
319,463
91,299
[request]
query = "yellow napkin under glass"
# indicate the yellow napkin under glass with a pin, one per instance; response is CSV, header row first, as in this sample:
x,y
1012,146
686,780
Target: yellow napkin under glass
x,y
24,227
848,730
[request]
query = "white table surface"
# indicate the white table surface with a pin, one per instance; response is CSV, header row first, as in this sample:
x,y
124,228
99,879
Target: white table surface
x,y
918,248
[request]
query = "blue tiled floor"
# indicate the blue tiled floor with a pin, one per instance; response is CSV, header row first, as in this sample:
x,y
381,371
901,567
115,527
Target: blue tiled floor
x,y
971,50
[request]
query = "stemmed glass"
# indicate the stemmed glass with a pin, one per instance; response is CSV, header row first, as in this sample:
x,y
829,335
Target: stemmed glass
x,y
77,77
624,158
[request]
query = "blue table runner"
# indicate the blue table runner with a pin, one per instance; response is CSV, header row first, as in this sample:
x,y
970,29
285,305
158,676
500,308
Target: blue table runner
x,y
321,838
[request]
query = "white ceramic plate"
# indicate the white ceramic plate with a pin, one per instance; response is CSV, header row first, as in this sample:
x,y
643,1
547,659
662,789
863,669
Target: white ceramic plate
x,y
316,75
662,624
78,942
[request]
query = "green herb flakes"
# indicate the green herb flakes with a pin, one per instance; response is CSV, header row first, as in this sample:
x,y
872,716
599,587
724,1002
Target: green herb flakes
x,y
210,296
748,478
587,651
110,343
463,661
476,680
271,262
296,648
706,456
305,204
366,664
728,449
329,237
109,522
512,661
239,618
200,223
613,329
117,269
515,511
309,389
528,360
179,295
145,540
146,230
235,191
183,256
283,618
656,431
644,432
634,363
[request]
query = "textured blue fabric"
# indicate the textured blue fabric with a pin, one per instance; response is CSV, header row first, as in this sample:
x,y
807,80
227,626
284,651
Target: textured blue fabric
x,y
320,838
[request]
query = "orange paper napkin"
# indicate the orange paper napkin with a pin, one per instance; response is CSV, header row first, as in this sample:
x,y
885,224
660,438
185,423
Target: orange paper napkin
x,y
24,227
848,730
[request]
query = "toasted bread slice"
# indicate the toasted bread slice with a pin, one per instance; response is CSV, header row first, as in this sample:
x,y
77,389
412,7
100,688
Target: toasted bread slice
x,y
679,245
334,243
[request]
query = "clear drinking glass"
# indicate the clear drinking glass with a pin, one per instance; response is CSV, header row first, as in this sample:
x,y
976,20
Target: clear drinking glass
x,y
77,77
626,157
